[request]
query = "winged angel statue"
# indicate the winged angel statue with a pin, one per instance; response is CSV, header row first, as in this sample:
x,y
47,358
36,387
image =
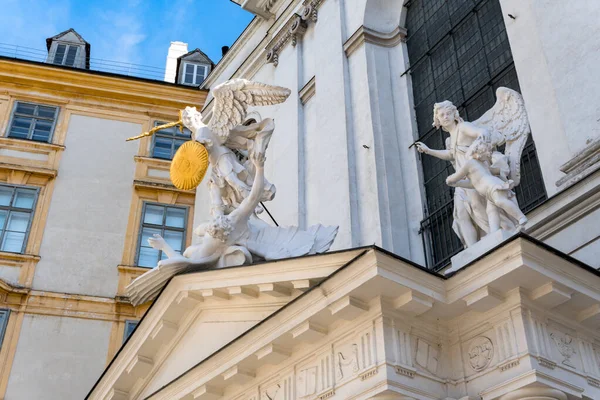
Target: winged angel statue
x,y
484,201
234,235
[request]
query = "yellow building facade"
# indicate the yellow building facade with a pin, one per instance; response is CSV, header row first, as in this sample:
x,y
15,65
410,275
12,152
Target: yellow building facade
x,y
76,201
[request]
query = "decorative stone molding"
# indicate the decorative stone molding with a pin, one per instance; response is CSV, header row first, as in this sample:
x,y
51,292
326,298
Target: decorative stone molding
x,y
308,91
369,373
532,393
368,35
310,10
404,371
508,365
593,381
544,362
327,394
293,30
583,164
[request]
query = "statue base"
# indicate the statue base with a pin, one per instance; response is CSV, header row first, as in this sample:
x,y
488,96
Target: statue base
x,y
478,249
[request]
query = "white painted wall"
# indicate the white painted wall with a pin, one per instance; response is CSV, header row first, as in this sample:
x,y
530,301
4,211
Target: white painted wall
x,y
87,220
76,360
556,51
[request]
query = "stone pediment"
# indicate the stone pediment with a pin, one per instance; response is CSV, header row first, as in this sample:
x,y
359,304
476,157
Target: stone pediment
x,y
523,315
198,313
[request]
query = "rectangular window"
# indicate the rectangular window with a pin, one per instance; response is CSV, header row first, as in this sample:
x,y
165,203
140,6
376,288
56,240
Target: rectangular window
x,y
3,322
16,213
65,55
194,74
166,221
167,141
129,327
33,122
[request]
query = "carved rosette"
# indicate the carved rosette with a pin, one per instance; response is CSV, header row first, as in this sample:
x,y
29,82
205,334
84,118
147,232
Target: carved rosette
x,y
480,353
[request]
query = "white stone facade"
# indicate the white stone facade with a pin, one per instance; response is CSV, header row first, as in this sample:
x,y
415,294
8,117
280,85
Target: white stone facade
x,y
341,151
521,323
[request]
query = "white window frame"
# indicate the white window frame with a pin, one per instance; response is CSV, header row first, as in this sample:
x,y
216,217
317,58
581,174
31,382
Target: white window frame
x,y
196,66
64,59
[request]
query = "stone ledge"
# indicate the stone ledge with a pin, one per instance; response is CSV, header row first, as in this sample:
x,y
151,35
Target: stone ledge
x,y
583,164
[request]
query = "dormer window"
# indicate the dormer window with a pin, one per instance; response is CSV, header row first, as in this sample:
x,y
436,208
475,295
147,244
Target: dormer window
x,y
66,54
193,68
69,49
194,74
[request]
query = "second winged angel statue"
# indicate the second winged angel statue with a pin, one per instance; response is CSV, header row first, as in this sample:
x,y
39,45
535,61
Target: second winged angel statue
x,y
486,202
234,235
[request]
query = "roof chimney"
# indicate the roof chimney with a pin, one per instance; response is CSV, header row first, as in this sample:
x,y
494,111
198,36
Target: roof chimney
x,y
176,50
224,50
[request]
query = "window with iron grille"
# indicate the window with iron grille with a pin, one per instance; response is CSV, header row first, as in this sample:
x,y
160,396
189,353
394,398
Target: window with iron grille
x,y
3,323
166,221
129,327
17,204
459,51
33,122
167,141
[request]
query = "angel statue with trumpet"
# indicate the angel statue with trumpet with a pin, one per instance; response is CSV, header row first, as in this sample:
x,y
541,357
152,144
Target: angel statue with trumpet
x,y
234,235
485,203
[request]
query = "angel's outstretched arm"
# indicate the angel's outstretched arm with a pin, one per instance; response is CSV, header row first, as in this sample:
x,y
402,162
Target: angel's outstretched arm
x,y
441,154
248,205
158,243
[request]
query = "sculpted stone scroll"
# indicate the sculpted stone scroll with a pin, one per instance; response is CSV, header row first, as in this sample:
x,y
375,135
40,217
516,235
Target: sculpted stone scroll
x,y
234,235
484,178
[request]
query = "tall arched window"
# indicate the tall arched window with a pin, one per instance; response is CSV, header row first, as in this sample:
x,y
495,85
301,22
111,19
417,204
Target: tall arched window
x,y
459,51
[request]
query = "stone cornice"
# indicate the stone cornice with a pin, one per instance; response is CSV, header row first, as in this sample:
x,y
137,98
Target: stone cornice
x,y
308,91
88,83
368,35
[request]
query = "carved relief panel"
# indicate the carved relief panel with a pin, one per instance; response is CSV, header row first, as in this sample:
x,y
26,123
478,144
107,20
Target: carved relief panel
x,y
280,390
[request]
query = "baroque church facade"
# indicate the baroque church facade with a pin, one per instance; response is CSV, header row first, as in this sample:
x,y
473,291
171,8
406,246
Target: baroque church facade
x,y
377,317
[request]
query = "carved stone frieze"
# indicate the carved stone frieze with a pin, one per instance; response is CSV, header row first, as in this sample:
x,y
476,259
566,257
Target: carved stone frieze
x,y
544,362
480,353
404,371
564,344
427,356
346,362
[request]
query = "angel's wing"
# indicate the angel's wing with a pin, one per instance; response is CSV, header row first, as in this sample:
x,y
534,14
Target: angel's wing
x,y
508,123
232,99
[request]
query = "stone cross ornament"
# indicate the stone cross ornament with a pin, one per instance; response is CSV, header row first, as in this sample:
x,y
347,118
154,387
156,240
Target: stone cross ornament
x,y
235,149
484,178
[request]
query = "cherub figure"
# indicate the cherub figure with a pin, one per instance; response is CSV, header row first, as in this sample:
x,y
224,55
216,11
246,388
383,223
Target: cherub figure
x,y
476,172
505,123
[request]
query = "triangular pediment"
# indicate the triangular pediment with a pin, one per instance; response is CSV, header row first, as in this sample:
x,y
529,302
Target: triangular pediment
x,y
69,36
376,324
199,313
197,56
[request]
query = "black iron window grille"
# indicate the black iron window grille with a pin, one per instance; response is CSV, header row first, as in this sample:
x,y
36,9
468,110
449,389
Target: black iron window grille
x,y
459,51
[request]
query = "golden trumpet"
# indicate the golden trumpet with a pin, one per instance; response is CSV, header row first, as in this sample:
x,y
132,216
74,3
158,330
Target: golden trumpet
x,y
158,128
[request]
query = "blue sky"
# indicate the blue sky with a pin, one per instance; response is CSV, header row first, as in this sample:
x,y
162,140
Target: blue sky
x,y
135,31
